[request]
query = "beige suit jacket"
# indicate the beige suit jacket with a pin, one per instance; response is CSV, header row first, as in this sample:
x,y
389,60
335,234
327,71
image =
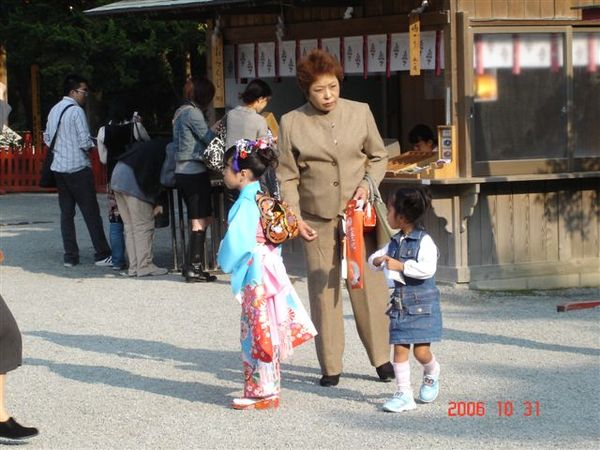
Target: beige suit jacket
x,y
324,156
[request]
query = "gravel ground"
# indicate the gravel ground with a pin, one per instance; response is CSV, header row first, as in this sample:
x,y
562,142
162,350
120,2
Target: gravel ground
x,y
114,362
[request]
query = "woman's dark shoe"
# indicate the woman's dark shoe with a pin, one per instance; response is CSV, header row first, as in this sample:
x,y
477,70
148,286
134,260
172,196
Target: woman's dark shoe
x,y
386,372
329,380
196,274
11,429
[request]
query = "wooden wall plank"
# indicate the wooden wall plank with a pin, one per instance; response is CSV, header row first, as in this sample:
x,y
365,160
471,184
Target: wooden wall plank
x,y
500,9
538,228
516,9
483,9
504,221
532,9
467,6
589,228
521,228
475,241
565,237
547,9
563,9
488,229
551,219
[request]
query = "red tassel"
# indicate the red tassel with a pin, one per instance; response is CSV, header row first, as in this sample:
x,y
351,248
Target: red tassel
x,y
591,53
388,56
236,70
479,67
438,56
343,55
554,66
365,57
255,60
516,54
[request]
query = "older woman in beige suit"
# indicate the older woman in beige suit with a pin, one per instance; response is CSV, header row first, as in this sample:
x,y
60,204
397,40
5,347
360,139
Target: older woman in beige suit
x,y
327,148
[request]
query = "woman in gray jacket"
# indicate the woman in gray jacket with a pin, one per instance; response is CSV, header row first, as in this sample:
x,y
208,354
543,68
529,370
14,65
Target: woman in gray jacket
x,y
191,135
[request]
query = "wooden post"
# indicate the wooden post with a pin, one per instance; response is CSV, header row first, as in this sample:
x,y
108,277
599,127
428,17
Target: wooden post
x,y
36,112
217,70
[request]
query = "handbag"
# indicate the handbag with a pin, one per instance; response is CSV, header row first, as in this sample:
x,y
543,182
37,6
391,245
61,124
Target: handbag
x,y
167,170
383,229
47,177
214,153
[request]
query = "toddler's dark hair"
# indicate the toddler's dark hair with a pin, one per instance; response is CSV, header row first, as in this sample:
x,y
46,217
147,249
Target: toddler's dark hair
x,y
411,203
258,160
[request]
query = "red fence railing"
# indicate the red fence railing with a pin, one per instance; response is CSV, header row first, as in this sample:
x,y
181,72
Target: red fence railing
x,y
21,165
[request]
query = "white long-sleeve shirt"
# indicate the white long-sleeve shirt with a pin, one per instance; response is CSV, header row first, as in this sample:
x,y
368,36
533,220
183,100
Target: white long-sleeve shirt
x,y
422,268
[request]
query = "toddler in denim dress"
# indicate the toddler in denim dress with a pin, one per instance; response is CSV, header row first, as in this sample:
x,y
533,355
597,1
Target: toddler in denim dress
x,y
410,261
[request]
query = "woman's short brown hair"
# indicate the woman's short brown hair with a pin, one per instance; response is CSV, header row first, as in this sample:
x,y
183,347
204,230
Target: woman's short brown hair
x,y
200,90
316,63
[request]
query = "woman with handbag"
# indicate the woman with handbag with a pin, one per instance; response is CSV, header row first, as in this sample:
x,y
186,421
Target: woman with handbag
x,y
328,148
191,135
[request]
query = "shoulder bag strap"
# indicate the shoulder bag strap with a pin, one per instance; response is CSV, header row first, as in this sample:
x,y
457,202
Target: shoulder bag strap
x,y
58,127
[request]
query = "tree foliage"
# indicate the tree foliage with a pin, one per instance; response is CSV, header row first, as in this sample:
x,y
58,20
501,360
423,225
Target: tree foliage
x,y
132,62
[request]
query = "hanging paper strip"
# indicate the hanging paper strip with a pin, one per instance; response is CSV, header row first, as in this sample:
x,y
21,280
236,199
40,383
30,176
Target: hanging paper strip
x,y
591,65
377,53
353,54
428,50
306,45
580,49
516,54
535,50
246,61
229,62
287,59
496,51
266,59
442,51
331,46
478,55
399,58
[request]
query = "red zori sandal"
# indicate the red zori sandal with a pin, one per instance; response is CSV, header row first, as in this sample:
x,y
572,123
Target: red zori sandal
x,y
256,403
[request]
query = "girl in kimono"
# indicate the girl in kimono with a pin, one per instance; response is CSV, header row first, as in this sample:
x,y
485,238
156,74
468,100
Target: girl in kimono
x,y
273,320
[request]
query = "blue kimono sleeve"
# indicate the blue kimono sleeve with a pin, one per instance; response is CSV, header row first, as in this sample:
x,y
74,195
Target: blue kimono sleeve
x,y
237,247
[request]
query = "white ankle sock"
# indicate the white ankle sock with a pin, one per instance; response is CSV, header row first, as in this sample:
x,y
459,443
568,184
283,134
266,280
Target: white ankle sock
x,y
432,367
402,372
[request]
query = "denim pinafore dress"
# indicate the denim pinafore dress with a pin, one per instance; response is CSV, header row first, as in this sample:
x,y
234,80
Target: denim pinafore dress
x,y
415,314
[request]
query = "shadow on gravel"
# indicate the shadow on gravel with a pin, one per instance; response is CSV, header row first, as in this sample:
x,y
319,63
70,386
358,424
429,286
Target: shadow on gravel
x,y
224,365
191,391
484,338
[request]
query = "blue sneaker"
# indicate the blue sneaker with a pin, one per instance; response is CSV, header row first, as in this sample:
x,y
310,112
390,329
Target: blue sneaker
x,y
401,401
429,389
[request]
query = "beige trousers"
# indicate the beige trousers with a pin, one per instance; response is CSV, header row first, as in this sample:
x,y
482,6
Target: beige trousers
x,y
368,304
138,219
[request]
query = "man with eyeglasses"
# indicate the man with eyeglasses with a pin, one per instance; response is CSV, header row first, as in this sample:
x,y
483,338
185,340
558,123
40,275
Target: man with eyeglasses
x,y
73,170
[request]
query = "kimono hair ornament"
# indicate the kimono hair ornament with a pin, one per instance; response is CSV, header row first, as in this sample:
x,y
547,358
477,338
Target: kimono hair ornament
x,y
244,147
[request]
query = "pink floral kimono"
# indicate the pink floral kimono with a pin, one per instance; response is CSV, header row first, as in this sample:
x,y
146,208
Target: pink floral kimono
x,y
273,319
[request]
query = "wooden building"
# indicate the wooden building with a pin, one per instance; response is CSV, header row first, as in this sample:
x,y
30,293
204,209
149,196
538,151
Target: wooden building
x,y
514,85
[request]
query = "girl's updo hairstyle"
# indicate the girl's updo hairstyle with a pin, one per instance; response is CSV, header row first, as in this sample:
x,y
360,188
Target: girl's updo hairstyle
x,y
255,90
257,160
316,63
199,90
411,203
